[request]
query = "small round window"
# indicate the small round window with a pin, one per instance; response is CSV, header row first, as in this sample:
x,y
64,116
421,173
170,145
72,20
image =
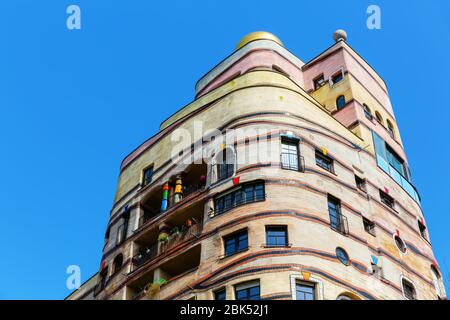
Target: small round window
x,y
400,244
342,255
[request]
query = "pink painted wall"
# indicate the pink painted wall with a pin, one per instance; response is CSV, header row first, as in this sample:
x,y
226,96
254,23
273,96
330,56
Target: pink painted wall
x,y
255,59
328,67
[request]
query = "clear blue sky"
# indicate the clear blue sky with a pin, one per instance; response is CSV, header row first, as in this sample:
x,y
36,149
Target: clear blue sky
x,y
74,103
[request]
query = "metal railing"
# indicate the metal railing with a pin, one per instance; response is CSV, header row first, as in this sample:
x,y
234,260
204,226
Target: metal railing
x,y
340,224
187,191
157,249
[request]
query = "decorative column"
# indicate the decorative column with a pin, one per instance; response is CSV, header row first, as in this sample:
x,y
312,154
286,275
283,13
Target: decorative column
x,y
178,196
165,198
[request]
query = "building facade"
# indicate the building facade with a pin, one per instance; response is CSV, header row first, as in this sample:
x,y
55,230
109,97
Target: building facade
x,y
281,180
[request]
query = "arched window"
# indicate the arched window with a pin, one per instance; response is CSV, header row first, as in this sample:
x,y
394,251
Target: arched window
x,y
348,296
340,102
400,244
367,112
437,282
408,290
225,164
379,117
342,255
117,263
390,128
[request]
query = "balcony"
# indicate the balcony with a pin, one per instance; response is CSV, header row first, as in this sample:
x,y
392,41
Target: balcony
x,y
178,235
193,181
177,273
394,174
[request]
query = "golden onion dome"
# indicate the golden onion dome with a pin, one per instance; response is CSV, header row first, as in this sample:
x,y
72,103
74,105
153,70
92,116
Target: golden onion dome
x,y
258,35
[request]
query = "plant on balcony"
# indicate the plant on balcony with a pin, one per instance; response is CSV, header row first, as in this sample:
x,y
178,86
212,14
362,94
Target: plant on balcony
x,y
163,237
152,289
174,231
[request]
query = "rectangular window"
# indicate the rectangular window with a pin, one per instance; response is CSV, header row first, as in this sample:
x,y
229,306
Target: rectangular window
x,y
423,230
369,226
337,221
305,291
276,236
289,154
324,161
235,242
395,161
360,183
386,199
148,175
319,82
337,77
220,294
245,194
248,291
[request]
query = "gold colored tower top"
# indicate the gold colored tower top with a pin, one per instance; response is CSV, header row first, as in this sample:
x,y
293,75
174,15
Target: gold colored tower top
x,y
258,35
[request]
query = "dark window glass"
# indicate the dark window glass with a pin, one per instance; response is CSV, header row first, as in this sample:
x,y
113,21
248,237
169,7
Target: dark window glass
x,y
103,278
379,118
324,161
395,161
423,230
319,82
369,226
225,165
289,155
148,175
123,228
107,236
386,199
338,77
220,295
408,290
246,194
342,256
400,244
390,128
340,102
305,292
336,218
276,236
117,264
248,291
236,242
367,112
360,183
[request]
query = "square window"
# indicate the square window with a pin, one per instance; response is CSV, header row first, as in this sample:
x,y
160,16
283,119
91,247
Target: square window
x,y
276,236
337,77
319,82
387,199
324,161
369,226
236,242
220,294
305,291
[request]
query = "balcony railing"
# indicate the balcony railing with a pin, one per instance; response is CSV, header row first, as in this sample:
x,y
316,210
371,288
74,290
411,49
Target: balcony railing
x,y
405,184
157,249
187,191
